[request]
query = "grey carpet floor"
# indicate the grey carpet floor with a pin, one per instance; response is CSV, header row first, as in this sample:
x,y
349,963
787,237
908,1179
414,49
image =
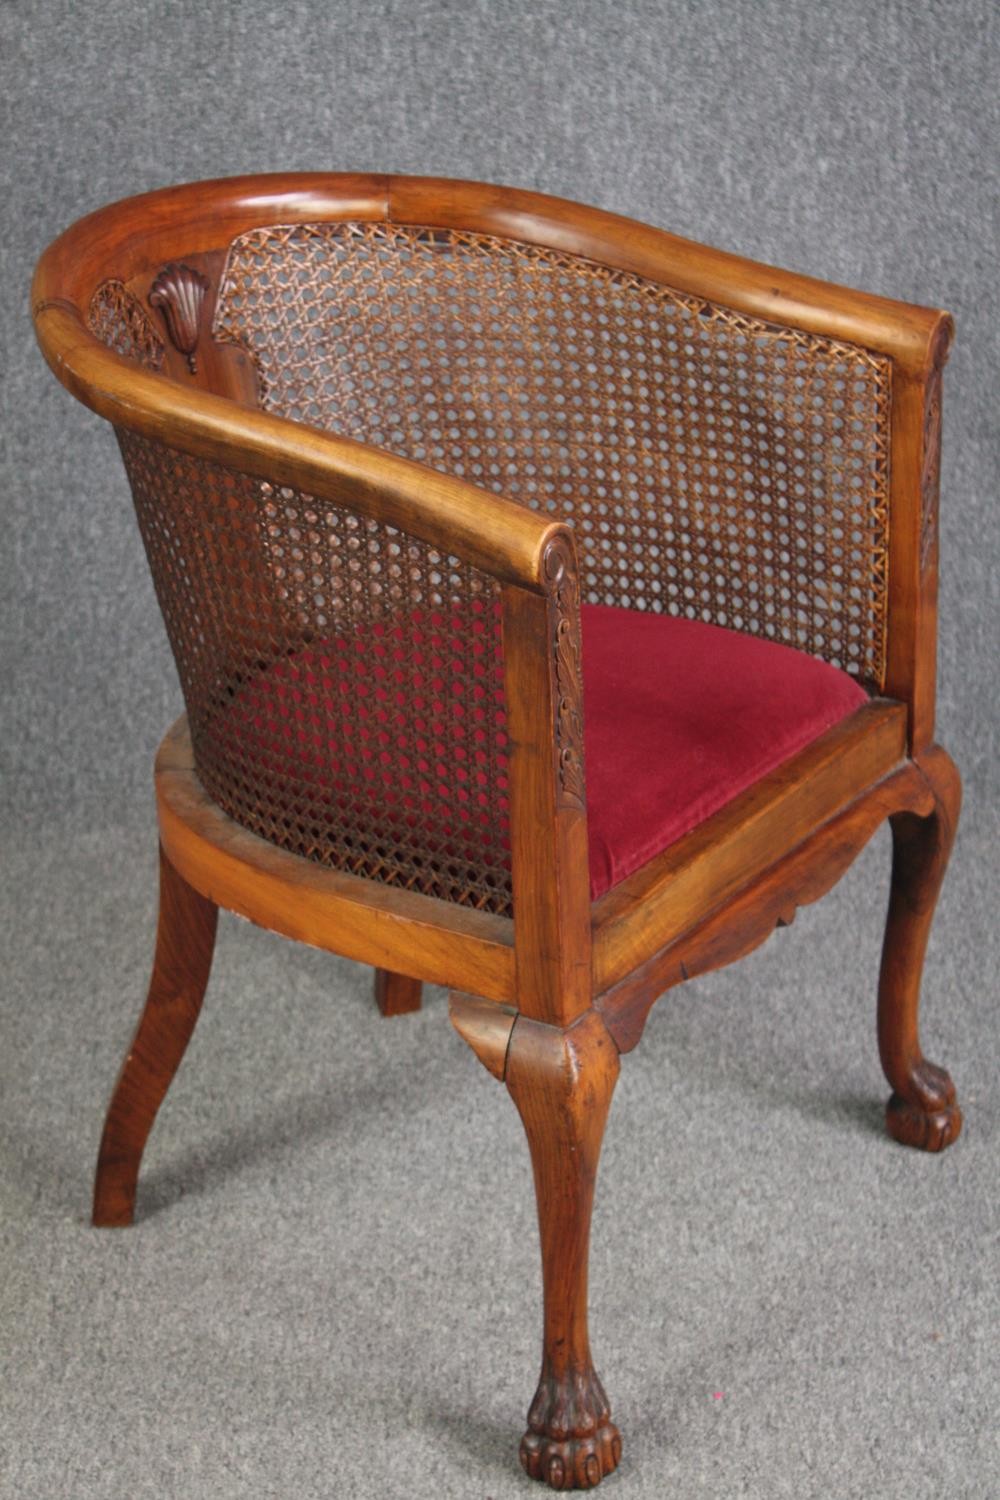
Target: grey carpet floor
x,y
332,1289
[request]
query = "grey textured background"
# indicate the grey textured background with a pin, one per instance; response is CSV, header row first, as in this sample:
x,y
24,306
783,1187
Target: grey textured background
x,y
333,1288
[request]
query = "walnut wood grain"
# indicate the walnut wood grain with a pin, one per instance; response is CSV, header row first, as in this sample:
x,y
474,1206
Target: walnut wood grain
x,y
898,329
486,1028
562,1082
150,229
494,534
911,674
178,292
549,859
185,941
672,893
746,920
397,994
922,1111
437,941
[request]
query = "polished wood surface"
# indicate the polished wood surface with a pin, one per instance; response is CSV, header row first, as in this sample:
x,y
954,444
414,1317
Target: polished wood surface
x,y
493,534
401,931
562,1081
397,994
748,917
151,229
550,870
899,329
185,942
922,1110
486,1028
674,891
221,368
548,1000
913,551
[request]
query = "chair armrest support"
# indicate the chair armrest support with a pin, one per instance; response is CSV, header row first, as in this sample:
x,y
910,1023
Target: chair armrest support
x,y
548,822
911,627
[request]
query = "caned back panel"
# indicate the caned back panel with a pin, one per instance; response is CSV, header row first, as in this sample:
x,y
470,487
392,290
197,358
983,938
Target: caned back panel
x,y
712,465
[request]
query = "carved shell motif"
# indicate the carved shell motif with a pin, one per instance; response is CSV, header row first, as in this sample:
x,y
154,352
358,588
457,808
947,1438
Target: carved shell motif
x,y
565,594
178,292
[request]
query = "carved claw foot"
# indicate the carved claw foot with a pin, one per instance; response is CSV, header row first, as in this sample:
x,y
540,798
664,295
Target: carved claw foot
x,y
929,1118
571,1442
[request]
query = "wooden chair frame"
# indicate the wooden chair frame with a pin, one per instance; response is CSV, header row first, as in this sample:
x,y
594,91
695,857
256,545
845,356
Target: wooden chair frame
x,y
549,1000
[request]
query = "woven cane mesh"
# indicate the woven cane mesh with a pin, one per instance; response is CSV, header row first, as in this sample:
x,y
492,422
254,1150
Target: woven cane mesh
x,y
343,680
119,320
712,465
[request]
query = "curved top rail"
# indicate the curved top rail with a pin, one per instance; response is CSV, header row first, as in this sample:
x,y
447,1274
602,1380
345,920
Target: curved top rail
x,y
136,232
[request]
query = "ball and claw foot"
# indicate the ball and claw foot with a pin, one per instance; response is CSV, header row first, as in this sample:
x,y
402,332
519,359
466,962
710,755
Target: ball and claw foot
x,y
929,1119
571,1442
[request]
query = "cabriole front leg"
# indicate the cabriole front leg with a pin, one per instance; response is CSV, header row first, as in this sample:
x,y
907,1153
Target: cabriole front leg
x,y
922,1111
185,941
562,1082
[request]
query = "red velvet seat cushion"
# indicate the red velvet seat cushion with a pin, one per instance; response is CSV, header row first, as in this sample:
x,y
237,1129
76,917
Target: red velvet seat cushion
x,y
679,718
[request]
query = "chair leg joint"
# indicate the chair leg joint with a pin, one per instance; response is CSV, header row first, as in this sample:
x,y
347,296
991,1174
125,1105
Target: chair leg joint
x,y
486,1026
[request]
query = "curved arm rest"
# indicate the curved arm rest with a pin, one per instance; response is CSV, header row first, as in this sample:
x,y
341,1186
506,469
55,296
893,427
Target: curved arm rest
x,y
498,536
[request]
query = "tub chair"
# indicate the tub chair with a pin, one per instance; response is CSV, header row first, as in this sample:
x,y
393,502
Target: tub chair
x,y
554,605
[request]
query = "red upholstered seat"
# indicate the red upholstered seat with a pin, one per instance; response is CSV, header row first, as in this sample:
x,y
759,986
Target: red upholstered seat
x,y
679,718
